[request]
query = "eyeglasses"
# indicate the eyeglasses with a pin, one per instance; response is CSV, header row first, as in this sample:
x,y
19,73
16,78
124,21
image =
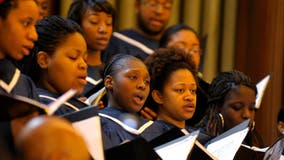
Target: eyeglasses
x,y
195,51
155,5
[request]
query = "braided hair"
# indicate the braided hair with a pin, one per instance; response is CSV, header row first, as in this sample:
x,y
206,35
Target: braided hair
x,y
52,31
221,85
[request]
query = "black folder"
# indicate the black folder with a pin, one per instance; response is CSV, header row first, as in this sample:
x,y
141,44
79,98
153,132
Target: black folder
x,y
137,149
14,106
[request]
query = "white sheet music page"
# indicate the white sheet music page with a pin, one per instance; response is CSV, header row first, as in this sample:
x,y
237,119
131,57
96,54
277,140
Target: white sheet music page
x,y
178,148
261,86
90,129
226,148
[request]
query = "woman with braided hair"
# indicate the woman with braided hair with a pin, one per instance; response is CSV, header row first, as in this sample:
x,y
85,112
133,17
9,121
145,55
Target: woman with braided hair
x,y
231,101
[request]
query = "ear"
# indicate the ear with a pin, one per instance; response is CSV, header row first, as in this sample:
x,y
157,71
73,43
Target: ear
x,y
108,81
43,59
157,96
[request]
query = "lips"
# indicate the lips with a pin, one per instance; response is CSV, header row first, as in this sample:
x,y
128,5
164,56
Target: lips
x,y
26,49
156,22
190,107
82,79
139,99
102,41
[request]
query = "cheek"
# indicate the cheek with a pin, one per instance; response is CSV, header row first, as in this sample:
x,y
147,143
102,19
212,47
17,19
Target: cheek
x,y
232,117
109,33
63,74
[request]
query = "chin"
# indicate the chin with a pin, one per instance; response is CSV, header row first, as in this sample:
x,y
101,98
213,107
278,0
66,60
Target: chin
x,y
17,57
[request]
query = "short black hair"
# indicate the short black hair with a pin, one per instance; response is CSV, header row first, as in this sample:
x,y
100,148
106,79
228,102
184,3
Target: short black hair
x,y
169,32
79,7
114,63
6,6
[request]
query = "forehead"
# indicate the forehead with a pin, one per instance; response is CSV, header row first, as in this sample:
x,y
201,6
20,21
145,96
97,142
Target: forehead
x,y
158,1
73,41
184,34
91,12
241,92
25,8
131,64
181,75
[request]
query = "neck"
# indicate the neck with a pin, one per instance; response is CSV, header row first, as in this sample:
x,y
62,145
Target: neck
x,y
150,36
177,123
94,58
43,83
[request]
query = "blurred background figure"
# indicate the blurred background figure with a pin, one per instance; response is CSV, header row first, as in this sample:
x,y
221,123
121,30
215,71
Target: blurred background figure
x,y
43,8
151,20
50,138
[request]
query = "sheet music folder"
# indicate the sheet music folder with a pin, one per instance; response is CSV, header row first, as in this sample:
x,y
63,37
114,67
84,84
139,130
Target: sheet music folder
x,y
226,145
137,149
198,150
14,106
261,87
87,122
179,148
276,150
246,152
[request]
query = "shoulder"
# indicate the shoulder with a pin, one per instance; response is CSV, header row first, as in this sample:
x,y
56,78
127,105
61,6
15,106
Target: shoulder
x,y
26,87
156,129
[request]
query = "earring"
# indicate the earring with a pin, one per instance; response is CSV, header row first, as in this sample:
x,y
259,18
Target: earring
x,y
252,125
222,119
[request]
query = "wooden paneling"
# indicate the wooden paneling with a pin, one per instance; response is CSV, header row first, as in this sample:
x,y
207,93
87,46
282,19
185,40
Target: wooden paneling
x,y
259,51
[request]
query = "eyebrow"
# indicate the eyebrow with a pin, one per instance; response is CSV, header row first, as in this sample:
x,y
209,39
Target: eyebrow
x,y
78,51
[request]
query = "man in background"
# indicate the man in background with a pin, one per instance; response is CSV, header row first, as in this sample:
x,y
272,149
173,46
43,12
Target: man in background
x,y
152,17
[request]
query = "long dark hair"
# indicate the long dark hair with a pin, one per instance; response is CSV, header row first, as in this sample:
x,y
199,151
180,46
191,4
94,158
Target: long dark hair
x,y
221,85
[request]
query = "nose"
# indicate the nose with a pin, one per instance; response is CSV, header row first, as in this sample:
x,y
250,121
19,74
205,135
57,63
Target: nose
x,y
102,28
246,113
32,34
141,85
82,64
189,96
159,8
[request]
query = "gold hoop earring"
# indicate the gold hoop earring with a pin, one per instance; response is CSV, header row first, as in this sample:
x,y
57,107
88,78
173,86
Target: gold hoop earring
x,y
222,119
252,126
